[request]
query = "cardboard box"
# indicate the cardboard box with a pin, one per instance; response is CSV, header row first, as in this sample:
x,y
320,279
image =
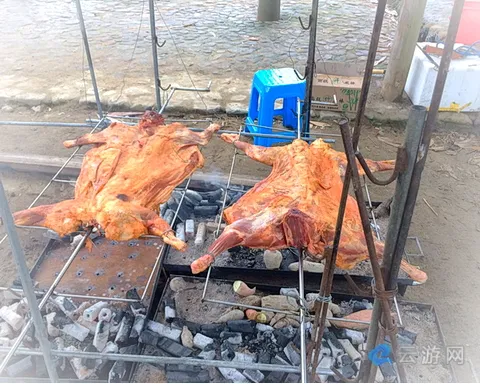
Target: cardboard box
x,y
337,86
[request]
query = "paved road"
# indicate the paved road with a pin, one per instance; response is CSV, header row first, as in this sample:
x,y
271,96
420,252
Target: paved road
x,y
41,42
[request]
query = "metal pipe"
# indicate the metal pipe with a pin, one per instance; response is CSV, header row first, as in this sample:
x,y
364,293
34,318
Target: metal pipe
x,y
46,124
169,97
310,67
301,290
166,360
23,273
372,253
413,134
44,300
367,77
205,89
153,34
73,295
89,58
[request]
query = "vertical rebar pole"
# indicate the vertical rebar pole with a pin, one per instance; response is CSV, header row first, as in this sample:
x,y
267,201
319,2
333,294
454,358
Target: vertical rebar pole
x,y
89,58
19,256
391,263
310,68
153,34
367,77
303,343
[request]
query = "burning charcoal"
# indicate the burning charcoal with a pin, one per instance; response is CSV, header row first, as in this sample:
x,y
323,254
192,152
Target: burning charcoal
x,y
89,363
362,347
91,313
180,373
264,357
205,210
325,363
7,331
193,196
105,315
232,375
292,378
254,375
272,259
136,308
130,350
334,344
284,335
343,360
169,215
325,349
76,330
118,371
123,332
12,318
348,370
179,323
21,366
173,348
244,357
189,229
212,195
279,360
360,305
388,372
208,353
227,352
350,349
201,233
149,338
213,225
180,231
170,313
275,377
101,335
356,337
186,337
243,326
137,328
292,354
290,292
234,338
201,341
213,330
183,213
66,305
111,347
163,330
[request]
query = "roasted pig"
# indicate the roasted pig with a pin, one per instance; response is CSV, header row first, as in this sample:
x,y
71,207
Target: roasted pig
x,y
297,206
124,177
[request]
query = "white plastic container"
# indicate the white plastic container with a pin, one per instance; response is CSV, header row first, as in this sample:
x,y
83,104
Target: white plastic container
x,y
462,85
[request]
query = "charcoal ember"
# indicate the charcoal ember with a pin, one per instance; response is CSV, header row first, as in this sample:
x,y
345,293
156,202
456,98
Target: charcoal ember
x,y
208,353
212,196
292,378
173,348
169,215
254,375
284,335
118,371
149,338
292,354
264,357
183,213
350,349
66,305
275,377
89,363
204,186
101,335
169,310
193,197
91,313
205,210
348,370
137,327
360,305
212,330
244,257
105,315
123,332
333,343
388,372
227,351
242,326
76,331
235,197
60,320
183,377
343,360
245,357
233,375
201,341
356,337
179,323
234,338
180,231
280,359
163,209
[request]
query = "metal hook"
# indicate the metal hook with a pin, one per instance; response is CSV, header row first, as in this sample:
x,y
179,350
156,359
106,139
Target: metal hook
x,y
164,89
309,22
159,45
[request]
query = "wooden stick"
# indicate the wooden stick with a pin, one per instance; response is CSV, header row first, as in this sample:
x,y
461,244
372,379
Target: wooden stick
x,y
429,206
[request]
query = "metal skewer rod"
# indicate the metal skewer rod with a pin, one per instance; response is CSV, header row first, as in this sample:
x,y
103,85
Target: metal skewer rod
x,y
301,289
154,41
19,256
44,300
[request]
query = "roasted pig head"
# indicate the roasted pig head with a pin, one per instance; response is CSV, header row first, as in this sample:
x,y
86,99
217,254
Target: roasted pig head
x,y
297,206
